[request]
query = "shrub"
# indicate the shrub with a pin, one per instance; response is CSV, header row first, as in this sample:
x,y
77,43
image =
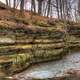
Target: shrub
x,y
22,20
41,23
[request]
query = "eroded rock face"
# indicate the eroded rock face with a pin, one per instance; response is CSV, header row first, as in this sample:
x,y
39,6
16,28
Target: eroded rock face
x,y
50,42
74,74
70,74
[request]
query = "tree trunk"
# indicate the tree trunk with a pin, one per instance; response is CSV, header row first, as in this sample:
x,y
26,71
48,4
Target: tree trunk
x,y
57,7
39,7
49,5
33,6
7,2
79,7
14,4
22,8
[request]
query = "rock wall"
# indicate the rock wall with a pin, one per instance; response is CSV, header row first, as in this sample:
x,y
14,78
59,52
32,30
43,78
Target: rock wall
x,y
32,45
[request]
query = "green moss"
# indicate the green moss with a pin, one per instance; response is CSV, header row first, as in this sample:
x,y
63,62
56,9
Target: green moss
x,y
22,20
41,23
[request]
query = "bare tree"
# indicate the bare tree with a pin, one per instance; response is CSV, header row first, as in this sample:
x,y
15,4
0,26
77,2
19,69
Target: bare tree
x,y
33,6
49,6
22,8
40,7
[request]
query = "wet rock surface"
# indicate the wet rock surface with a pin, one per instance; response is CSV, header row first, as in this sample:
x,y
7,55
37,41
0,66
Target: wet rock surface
x,y
71,74
65,69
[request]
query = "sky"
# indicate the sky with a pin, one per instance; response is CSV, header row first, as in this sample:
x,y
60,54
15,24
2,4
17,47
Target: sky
x,y
27,7
3,1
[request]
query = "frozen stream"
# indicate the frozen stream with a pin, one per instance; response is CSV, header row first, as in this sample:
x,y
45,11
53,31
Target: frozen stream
x,y
51,69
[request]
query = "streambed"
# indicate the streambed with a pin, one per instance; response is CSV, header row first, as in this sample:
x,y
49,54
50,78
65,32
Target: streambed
x,y
51,69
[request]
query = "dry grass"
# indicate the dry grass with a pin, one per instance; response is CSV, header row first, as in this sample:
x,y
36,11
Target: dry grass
x,y
5,23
